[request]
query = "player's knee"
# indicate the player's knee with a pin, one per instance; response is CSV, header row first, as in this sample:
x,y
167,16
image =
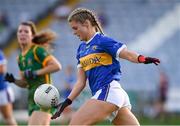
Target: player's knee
x,y
125,117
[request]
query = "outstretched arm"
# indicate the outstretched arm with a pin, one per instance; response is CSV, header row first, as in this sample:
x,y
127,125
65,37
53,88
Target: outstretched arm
x,y
136,58
129,55
19,82
78,87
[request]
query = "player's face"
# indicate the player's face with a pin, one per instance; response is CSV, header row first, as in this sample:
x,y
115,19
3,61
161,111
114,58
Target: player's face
x,y
79,30
24,34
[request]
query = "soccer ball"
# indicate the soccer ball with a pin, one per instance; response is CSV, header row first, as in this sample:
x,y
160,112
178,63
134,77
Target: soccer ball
x,y
46,96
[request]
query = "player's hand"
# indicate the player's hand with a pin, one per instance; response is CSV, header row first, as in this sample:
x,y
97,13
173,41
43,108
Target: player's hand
x,y
148,60
9,77
60,108
30,74
151,60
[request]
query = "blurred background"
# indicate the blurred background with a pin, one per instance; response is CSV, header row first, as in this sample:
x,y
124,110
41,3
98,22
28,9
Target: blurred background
x,y
149,27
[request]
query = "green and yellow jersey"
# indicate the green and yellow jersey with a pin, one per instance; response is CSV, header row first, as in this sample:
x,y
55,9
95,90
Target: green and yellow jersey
x,y
35,59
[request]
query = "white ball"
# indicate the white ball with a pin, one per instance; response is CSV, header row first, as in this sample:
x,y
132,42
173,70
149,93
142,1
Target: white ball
x,y
46,96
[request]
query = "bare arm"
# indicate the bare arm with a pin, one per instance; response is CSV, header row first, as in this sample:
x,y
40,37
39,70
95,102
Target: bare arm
x,y
52,65
136,58
21,83
129,55
79,85
2,68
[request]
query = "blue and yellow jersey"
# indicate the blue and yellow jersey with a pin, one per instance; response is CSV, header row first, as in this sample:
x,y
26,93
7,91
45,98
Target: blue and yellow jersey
x,y
3,84
98,58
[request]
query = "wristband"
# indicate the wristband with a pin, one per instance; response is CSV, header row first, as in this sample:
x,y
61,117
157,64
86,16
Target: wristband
x,y
141,59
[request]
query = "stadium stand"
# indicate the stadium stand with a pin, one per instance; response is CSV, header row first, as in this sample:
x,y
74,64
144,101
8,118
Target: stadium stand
x,y
21,10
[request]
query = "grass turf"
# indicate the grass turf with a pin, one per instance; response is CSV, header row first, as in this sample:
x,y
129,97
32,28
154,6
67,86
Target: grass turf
x,y
167,120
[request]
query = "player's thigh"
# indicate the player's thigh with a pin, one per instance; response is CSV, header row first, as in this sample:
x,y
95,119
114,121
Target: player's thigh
x,y
39,118
125,117
6,110
92,112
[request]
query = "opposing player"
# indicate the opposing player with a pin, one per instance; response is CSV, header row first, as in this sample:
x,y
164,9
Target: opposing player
x,y
97,61
6,95
36,65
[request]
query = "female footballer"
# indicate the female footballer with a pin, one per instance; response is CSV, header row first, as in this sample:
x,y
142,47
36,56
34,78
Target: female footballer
x,y
35,64
97,61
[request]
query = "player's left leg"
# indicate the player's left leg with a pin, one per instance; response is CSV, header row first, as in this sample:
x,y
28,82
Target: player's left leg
x,y
92,112
39,118
125,117
7,113
6,108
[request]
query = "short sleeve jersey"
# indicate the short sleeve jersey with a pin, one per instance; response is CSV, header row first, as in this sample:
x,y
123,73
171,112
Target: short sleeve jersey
x,y
34,59
3,84
98,58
